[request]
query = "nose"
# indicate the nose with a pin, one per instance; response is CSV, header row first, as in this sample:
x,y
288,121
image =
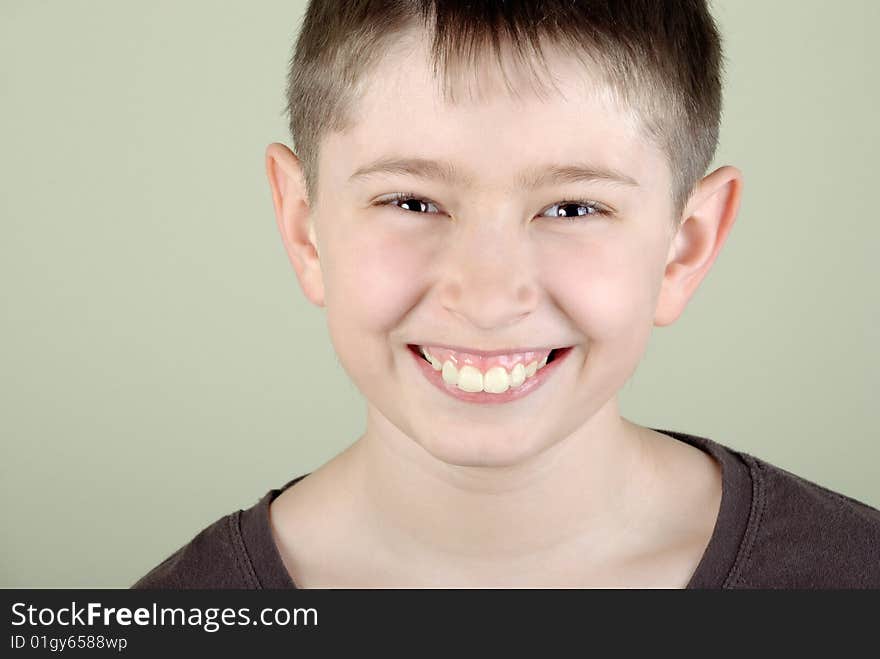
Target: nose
x,y
487,279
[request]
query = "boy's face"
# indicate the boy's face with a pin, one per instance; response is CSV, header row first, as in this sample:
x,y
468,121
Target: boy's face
x,y
485,262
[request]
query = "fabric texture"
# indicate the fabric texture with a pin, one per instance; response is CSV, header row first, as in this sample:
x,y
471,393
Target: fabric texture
x,y
774,530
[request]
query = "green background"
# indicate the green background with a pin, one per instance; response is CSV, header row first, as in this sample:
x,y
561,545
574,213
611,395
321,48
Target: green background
x,y
160,367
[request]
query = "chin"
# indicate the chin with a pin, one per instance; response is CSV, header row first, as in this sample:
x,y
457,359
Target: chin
x,y
480,450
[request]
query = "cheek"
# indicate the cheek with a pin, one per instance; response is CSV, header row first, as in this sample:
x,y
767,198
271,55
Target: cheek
x,y
378,278
604,288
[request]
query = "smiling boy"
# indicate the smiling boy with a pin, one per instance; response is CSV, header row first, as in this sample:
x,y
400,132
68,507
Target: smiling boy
x,y
493,241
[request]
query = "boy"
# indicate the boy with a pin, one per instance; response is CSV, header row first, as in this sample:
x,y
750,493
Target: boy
x,y
492,263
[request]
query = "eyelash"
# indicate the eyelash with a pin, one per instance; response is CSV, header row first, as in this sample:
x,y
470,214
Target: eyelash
x,y
598,209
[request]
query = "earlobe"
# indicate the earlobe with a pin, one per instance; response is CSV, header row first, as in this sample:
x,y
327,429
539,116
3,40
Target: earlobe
x,y
706,223
294,219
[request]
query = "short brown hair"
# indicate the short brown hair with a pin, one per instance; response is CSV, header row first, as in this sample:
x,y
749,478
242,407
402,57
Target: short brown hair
x,y
662,58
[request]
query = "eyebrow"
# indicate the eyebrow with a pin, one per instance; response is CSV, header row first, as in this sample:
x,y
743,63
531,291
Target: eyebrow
x,y
531,178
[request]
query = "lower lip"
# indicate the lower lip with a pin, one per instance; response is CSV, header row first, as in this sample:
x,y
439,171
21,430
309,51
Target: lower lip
x,y
482,397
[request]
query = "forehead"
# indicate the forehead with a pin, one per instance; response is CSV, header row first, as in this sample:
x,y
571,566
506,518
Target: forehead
x,y
492,132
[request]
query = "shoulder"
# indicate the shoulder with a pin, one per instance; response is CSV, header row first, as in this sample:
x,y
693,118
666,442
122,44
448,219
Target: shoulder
x,y
214,558
804,535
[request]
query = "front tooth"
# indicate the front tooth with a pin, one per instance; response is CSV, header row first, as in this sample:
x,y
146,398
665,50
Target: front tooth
x,y
496,380
469,378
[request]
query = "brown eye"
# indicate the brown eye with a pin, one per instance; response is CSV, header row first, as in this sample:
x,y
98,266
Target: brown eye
x,y
407,201
571,210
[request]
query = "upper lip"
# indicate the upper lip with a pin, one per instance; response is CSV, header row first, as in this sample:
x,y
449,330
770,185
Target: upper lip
x,y
488,353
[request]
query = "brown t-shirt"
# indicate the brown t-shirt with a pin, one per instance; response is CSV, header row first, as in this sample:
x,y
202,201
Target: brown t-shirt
x,y
774,530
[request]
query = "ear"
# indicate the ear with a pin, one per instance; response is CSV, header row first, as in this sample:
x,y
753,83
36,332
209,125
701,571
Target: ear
x,y
706,221
294,218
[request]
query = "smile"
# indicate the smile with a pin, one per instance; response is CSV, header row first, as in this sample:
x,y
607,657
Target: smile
x,y
494,379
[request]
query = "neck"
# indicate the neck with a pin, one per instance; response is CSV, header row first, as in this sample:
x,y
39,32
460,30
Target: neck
x,y
582,494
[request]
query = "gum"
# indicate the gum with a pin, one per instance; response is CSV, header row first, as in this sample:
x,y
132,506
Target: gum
x,y
483,364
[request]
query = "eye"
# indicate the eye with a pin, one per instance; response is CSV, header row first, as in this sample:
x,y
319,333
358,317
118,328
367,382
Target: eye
x,y
406,200
570,210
